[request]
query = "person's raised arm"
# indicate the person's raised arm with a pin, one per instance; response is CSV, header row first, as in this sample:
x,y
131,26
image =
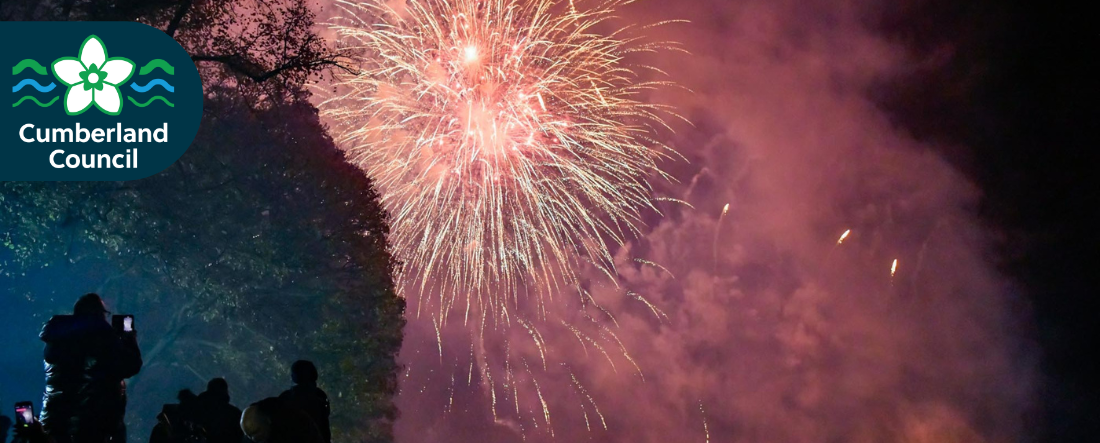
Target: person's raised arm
x,y
125,356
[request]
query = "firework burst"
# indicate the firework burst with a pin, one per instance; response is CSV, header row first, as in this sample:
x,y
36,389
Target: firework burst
x,y
509,139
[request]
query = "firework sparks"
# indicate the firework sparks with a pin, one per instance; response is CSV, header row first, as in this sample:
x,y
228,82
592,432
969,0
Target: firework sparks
x,y
588,396
451,395
511,148
656,265
537,338
507,138
577,333
657,312
894,268
545,407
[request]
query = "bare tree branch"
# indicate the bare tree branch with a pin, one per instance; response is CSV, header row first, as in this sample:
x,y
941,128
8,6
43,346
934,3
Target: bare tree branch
x,y
176,19
238,65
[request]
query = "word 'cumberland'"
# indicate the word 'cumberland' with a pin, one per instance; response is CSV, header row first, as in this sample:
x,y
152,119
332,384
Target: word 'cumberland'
x,y
118,134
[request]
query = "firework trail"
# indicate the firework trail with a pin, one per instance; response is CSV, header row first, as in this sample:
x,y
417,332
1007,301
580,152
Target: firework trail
x,y
718,230
839,241
843,236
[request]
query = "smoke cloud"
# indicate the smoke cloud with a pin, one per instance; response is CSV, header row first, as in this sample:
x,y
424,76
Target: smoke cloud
x,y
771,331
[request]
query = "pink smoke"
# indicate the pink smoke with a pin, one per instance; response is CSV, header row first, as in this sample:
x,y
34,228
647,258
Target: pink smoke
x,y
775,333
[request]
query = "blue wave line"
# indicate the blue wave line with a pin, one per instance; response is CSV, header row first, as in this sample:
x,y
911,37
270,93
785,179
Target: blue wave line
x,y
151,84
35,84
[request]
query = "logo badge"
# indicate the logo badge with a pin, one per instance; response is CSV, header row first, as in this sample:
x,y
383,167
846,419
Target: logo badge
x,y
95,101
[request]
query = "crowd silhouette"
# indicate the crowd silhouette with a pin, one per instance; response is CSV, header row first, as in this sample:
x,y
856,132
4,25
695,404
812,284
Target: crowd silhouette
x,y
89,355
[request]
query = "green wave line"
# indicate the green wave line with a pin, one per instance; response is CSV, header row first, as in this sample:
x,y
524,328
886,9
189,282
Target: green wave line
x,y
40,104
28,64
142,105
157,63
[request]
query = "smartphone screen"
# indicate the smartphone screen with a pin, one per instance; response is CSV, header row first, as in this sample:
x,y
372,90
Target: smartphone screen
x,y
123,324
24,413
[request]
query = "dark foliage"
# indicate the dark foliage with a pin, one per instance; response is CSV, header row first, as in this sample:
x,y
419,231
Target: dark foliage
x,y
266,50
259,247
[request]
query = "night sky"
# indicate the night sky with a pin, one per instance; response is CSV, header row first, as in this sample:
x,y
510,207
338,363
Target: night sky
x,y
954,138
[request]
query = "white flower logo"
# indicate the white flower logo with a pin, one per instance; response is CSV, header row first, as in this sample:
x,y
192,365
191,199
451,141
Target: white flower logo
x,y
93,78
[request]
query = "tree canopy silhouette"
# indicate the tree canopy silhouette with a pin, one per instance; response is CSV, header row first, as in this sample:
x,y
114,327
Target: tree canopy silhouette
x,y
260,246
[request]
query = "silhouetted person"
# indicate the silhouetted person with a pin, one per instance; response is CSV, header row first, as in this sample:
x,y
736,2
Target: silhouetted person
x,y
86,363
274,420
178,423
308,397
119,434
220,418
162,431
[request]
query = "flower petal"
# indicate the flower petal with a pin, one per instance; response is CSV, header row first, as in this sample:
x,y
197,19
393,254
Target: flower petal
x,y
92,52
118,70
108,99
68,70
77,100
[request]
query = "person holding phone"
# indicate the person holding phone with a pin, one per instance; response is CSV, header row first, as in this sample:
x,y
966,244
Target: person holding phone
x,y
32,433
24,414
87,361
27,428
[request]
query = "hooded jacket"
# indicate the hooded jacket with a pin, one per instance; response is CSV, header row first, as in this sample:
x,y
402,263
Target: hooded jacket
x,y
86,362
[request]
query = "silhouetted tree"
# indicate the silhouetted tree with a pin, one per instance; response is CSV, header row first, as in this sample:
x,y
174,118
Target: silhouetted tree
x,y
258,247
